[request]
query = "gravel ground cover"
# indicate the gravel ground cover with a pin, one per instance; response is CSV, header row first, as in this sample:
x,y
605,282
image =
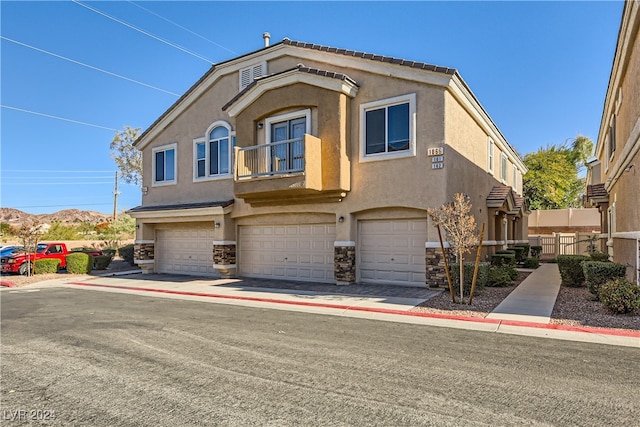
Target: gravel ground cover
x,y
574,306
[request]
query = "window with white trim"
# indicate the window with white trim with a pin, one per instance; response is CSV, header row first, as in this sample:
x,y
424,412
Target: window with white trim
x,y
165,164
503,168
213,153
249,74
515,178
490,155
387,128
612,137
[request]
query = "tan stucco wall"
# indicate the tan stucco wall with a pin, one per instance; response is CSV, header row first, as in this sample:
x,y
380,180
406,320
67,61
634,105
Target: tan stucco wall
x,y
389,188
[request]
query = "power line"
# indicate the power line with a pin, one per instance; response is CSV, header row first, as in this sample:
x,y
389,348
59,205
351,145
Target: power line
x,y
184,28
88,66
58,118
61,171
144,32
62,183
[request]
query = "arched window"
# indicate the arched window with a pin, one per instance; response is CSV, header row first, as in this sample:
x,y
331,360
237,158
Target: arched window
x,y
213,152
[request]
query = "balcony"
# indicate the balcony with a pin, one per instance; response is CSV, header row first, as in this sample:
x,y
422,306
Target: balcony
x,y
287,171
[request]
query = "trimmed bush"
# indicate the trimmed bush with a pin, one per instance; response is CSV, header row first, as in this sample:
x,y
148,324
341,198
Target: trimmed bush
x,y
531,262
536,251
620,296
498,277
526,247
503,259
79,263
126,252
102,262
481,281
109,251
571,269
519,250
44,266
599,256
597,273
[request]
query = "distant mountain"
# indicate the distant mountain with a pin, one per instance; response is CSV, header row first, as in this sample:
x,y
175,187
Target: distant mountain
x,y
17,217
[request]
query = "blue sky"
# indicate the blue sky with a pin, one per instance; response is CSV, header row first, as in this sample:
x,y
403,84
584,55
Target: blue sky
x,y
540,69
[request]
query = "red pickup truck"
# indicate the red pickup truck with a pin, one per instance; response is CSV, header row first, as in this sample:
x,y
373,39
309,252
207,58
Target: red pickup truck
x,y
17,263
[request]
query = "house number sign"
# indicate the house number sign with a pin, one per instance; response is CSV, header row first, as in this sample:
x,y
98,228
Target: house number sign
x,y
437,157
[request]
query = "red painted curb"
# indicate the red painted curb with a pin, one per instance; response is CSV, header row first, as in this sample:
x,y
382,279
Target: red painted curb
x,y
584,329
7,284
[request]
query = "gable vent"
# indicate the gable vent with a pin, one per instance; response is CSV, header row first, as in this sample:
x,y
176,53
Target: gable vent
x,y
249,74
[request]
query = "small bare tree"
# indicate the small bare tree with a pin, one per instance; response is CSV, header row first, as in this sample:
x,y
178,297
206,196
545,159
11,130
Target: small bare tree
x,y
29,234
460,227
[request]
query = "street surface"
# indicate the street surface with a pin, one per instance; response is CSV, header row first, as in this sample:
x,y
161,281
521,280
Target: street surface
x,y
83,357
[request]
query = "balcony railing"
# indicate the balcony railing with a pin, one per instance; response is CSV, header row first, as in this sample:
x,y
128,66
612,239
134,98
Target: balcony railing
x,y
277,158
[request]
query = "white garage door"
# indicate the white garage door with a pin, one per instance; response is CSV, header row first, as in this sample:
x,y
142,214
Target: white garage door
x,y
185,251
392,251
290,252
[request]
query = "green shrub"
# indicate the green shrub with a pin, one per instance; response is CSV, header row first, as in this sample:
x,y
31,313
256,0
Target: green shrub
x,y
536,251
498,277
519,250
126,252
82,248
44,266
481,281
526,247
531,262
599,256
79,263
597,273
571,269
502,259
101,262
109,251
620,296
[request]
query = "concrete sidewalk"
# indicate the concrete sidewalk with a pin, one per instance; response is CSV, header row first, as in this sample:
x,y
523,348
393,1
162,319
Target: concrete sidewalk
x,y
533,299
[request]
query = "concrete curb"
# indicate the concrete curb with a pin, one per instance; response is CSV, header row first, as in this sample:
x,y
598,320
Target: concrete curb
x,y
483,320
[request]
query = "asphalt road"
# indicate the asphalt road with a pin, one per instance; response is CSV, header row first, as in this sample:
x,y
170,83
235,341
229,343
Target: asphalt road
x,y
82,357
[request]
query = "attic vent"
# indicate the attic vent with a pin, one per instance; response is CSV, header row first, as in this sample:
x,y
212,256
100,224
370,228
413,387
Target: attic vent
x,y
249,74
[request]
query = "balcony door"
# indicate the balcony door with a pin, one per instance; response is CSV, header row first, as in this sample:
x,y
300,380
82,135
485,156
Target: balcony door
x,y
287,137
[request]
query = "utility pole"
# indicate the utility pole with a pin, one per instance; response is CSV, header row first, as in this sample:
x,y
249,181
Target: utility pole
x,y
115,199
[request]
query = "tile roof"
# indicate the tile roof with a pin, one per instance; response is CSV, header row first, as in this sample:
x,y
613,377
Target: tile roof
x,y
499,193
300,68
371,56
145,208
597,190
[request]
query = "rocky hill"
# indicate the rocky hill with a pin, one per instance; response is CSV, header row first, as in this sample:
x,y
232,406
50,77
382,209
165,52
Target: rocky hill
x,y
17,217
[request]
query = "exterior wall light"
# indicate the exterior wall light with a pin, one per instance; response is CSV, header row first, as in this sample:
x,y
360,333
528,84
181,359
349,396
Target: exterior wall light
x,y
341,219
216,225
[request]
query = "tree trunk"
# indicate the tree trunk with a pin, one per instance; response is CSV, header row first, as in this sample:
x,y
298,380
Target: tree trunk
x,y
461,261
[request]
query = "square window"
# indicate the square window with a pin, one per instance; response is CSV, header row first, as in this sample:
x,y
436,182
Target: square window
x,y
388,128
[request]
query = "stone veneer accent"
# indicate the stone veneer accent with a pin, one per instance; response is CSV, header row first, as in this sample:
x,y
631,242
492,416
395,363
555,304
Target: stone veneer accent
x,y
224,254
143,251
345,264
436,275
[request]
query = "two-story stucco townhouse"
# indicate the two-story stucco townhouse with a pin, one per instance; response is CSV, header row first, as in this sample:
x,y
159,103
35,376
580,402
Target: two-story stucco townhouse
x,y
305,162
615,174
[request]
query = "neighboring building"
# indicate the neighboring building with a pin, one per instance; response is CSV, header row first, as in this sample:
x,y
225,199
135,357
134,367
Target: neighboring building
x,y
305,162
614,178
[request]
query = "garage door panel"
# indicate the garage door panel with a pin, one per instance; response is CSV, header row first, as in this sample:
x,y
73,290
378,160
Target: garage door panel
x,y
185,250
392,251
295,252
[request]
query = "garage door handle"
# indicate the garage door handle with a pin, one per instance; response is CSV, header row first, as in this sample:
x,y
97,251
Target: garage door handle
x,y
392,259
285,258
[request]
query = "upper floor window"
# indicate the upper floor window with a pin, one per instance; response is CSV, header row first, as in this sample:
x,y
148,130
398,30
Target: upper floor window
x,y
247,75
503,168
490,155
164,164
213,152
515,178
612,137
387,128
286,134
